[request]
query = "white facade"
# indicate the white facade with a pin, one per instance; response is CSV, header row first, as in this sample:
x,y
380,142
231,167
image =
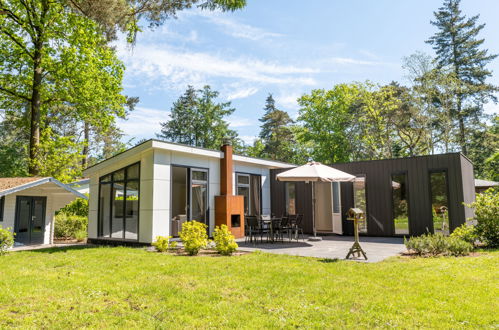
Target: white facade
x,y
56,195
156,161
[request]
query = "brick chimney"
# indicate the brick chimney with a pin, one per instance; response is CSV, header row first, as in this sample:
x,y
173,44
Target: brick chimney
x,y
229,209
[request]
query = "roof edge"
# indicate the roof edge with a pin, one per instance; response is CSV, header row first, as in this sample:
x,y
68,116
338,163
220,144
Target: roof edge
x,y
40,182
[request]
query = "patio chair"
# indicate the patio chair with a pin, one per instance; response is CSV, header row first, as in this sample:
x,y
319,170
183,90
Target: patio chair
x,y
285,227
297,227
255,228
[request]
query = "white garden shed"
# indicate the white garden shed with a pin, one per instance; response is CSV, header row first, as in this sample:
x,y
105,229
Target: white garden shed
x,y
28,206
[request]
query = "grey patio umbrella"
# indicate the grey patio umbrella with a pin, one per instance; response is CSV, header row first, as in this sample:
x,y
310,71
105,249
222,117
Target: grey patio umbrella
x,y
314,172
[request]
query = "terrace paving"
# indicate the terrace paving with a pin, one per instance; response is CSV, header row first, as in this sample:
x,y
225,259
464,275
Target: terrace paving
x,y
331,247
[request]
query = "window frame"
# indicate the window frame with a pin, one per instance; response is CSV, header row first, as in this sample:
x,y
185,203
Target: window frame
x,y
248,185
2,207
447,191
111,182
286,196
405,173
366,213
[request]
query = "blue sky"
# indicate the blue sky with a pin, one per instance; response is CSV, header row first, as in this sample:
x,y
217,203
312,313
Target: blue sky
x,y
283,47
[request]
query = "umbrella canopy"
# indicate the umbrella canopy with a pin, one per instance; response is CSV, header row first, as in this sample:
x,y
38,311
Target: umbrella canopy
x,y
314,171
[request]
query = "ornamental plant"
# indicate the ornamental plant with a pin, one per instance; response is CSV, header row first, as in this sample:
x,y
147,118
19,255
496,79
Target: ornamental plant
x,y
466,233
6,240
163,243
438,244
486,207
194,236
225,242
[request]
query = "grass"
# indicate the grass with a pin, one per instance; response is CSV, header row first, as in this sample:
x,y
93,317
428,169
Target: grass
x,y
125,287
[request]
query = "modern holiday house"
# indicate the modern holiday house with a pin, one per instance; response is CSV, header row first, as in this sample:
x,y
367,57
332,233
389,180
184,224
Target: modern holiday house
x,y
154,187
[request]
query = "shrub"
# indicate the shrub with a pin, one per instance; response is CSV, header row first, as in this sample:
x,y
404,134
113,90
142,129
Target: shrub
x,y
6,240
194,236
67,226
486,207
438,244
77,207
224,240
81,235
458,247
163,244
466,233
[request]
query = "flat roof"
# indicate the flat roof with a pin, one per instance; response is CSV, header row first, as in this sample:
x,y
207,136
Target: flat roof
x,y
178,147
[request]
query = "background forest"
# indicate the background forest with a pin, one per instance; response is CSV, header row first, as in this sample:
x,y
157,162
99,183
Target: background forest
x,y
61,94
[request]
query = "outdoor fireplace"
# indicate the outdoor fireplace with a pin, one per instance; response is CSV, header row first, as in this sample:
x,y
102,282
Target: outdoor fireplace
x,y
229,209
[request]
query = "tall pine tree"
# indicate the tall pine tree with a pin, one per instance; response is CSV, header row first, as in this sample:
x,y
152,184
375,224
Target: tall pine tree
x,y
198,120
276,134
458,48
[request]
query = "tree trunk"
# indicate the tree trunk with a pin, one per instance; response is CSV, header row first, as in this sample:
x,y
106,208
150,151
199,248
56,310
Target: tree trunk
x,y
86,137
34,138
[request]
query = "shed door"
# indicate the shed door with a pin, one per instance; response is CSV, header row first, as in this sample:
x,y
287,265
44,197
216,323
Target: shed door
x,y
30,219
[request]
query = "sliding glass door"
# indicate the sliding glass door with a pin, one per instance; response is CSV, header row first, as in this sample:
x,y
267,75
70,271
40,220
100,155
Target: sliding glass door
x,y
250,186
439,201
189,198
400,204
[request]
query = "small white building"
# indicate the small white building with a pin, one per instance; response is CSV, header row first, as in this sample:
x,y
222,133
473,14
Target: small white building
x,y
152,188
28,206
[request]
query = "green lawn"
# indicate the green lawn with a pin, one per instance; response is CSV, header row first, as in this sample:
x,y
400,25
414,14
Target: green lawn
x,y
125,287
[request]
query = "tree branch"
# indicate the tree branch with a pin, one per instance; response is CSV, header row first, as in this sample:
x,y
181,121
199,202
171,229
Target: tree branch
x,y
23,47
15,94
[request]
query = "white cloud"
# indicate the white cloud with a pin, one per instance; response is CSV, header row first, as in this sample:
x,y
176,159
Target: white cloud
x,y
350,61
231,26
288,101
237,122
491,108
166,67
242,93
143,123
248,139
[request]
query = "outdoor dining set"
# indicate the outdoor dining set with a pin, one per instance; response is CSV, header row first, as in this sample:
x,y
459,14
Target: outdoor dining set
x,y
273,229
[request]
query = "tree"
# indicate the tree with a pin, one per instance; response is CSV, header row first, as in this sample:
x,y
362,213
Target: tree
x,y
457,47
197,120
276,135
57,64
54,53
326,119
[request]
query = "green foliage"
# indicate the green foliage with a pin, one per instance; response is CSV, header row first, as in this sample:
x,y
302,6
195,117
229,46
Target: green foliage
x,y
457,47
163,243
78,207
81,235
198,120
276,135
438,244
70,226
466,233
486,206
225,243
6,240
194,236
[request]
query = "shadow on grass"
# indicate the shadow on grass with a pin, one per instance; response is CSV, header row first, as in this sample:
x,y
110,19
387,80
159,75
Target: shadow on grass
x,y
329,260
64,249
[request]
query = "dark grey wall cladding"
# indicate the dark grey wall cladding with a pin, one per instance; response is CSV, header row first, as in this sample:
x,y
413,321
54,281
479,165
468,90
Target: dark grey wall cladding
x,y
379,194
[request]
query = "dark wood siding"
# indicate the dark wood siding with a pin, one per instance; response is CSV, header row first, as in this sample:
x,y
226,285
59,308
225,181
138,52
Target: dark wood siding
x,y
379,192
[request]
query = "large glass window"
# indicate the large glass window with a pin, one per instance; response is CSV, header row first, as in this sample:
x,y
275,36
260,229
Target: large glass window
x,y
290,197
359,199
336,197
439,202
119,203
2,206
249,186
400,204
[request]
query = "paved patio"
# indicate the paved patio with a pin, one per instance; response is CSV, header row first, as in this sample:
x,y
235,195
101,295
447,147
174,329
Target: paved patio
x,y
331,247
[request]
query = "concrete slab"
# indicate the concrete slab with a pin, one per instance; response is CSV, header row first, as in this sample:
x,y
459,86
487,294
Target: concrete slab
x,y
331,247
